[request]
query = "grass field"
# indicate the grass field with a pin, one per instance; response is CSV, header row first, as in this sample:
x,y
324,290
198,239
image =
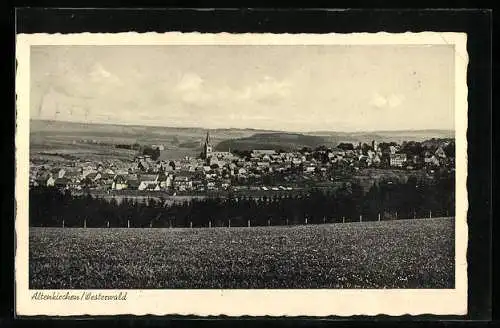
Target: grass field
x,y
390,254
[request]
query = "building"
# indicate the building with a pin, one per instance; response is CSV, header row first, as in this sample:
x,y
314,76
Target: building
x,y
50,181
375,160
207,147
397,160
262,152
119,183
183,181
149,186
431,160
440,153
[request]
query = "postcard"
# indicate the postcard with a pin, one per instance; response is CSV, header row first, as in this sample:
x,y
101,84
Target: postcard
x,y
241,174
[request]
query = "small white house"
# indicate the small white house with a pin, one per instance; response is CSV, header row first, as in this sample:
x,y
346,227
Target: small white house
x,y
51,181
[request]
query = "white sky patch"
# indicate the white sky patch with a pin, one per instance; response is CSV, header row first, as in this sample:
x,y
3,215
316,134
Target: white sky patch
x,y
268,87
378,100
395,100
99,73
391,101
190,82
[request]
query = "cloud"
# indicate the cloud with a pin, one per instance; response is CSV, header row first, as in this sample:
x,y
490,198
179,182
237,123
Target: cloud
x,y
267,89
190,82
395,100
192,90
99,73
391,101
378,101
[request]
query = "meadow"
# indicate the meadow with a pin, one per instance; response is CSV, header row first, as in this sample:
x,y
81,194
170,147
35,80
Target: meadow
x,y
386,254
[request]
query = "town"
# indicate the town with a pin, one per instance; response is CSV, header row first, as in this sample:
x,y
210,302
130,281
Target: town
x,y
258,169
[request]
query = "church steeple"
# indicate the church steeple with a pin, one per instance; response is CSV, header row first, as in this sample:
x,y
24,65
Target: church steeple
x,y
207,149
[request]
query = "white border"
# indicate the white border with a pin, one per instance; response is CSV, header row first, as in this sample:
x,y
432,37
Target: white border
x,y
321,302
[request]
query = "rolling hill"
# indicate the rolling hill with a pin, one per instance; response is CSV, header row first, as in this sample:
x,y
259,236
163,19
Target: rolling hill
x,y
276,141
68,137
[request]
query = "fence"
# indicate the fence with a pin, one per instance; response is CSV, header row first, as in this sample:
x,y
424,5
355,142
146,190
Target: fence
x,y
239,222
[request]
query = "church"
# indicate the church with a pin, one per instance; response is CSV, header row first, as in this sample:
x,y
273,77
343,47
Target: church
x,y
207,147
208,151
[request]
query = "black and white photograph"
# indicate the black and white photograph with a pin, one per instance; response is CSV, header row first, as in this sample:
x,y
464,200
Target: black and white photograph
x,y
214,165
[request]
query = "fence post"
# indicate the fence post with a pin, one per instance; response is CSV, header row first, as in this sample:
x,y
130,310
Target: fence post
x,y
190,224
306,220
430,214
229,225
249,223
63,223
210,224
379,216
85,223
107,224
361,218
268,222
343,219
396,215
128,223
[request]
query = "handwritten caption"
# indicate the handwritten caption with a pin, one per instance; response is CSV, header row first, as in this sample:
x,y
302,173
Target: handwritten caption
x,y
78,296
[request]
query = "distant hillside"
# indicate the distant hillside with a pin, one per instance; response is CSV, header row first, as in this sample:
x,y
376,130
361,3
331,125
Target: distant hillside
x,y
47,132
290,141
276,141
71,137
179,142
383,136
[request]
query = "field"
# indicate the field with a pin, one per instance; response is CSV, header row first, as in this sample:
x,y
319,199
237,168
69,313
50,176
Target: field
x,y
60,141
387,254
66,141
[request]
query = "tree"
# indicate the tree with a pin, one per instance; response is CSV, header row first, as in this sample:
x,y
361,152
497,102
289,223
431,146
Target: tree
x,y
345,146
305,150
449,149
364,148
154,153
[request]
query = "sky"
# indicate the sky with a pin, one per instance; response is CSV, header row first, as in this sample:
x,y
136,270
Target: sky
x,y
286,88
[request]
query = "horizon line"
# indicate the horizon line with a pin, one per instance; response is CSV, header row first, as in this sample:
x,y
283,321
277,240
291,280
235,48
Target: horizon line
x,y
154,125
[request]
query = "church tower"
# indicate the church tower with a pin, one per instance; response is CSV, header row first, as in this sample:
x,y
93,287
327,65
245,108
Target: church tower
x,y
207,149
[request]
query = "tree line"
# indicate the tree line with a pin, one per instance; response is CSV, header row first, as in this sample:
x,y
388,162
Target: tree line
x,y
348,203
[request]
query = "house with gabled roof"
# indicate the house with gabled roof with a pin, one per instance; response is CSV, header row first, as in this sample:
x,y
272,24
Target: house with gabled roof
x,y
440,153
165,180
148,182
93,176
133,182
119,183
184,180
149,185
397,160
431,160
